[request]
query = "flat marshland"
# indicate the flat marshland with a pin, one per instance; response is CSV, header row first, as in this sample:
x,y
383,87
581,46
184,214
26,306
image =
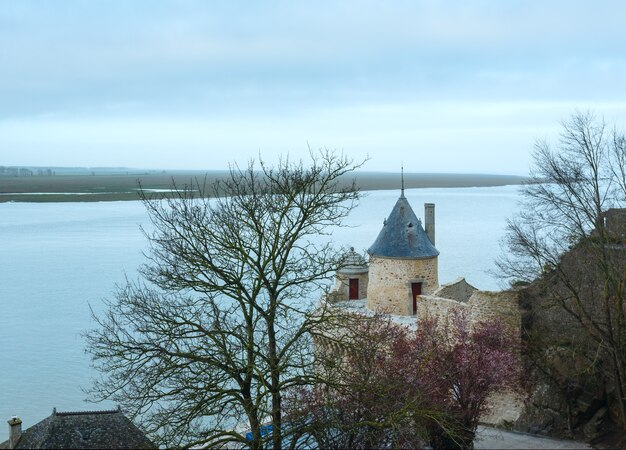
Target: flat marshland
x,y
95,186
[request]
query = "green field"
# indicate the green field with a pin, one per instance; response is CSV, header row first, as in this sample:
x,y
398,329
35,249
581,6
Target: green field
x,y
124,185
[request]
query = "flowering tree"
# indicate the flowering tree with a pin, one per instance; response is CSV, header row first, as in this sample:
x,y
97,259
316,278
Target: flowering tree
x,y
464,364
391,387
373,396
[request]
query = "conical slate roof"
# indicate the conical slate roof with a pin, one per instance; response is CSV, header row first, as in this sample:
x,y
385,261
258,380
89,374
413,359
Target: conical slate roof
x,y
402,235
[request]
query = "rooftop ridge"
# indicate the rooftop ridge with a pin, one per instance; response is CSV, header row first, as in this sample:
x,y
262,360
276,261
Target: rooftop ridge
x,y
85,413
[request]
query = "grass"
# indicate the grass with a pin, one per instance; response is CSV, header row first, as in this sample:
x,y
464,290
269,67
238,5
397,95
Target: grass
x,y
116,187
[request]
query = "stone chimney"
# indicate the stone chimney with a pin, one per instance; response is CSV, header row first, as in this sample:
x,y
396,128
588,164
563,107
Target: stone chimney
x,y
429,221
15,431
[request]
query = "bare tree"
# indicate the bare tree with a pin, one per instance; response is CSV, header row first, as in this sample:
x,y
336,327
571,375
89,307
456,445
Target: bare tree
x,y
564,237
204,347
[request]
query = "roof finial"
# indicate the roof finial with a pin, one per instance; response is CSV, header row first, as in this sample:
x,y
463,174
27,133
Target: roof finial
x,y
402,176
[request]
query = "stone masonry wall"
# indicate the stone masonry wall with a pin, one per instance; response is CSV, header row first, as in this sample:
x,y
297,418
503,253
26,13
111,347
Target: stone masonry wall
x,y
389,287
502,306
482,305
504,408
342,285
428,305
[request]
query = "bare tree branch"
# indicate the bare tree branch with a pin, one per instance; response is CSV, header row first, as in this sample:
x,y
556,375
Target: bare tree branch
x,y
205,345
561,239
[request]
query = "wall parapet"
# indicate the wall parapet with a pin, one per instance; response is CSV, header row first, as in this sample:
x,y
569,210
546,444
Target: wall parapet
x,y
481,306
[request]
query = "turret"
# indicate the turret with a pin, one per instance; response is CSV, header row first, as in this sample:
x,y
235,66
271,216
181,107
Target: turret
x,y
351,278
403,261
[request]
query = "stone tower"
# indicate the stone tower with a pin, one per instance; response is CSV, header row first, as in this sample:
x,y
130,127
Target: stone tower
x,y
403,261
352,277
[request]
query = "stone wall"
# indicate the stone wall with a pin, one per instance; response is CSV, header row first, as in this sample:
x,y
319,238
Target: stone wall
x,y
341,291
389,287
504,408
615,222
482,305
429,305
572,395
502,306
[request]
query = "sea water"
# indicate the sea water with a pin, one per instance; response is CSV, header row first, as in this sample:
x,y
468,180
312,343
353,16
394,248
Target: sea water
x,y
58,260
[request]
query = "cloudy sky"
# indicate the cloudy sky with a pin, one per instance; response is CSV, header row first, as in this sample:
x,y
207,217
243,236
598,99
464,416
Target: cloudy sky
x,y
442,86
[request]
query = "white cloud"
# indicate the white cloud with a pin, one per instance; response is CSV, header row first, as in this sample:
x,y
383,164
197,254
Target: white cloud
x,y
96,81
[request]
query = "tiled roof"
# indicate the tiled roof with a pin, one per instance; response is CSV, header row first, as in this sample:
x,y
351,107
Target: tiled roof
x,y
353,263
89,429
402,235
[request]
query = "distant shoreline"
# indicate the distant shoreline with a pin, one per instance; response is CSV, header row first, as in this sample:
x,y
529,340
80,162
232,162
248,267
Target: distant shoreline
x,y
124,186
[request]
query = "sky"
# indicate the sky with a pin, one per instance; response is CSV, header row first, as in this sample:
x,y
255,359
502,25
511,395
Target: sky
x,y
461,86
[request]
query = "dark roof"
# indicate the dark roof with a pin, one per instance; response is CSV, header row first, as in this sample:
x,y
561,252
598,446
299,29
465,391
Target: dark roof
x,y
402,235
90,429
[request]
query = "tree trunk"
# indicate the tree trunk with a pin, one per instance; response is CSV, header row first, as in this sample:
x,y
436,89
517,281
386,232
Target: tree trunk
x,y
253,418
619,388
277,439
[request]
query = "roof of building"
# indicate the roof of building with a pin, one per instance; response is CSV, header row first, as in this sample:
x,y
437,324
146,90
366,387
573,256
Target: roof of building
x,y
402,235
459,290
353,263
88,429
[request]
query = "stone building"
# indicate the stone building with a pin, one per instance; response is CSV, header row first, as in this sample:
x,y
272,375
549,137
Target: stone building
x,y
402,280
82,429
402,264
352,277
403,261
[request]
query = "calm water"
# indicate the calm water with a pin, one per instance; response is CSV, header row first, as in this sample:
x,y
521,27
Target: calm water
x,y
56,259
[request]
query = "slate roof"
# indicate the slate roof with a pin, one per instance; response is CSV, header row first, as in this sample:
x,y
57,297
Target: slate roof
x,y
402,235
90,430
